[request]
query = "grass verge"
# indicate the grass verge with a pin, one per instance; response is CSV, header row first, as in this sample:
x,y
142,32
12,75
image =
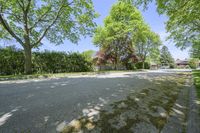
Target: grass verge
x,y
54,75
196,75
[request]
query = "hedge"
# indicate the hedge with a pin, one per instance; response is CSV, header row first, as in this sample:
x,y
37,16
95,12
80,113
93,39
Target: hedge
x,y
12,62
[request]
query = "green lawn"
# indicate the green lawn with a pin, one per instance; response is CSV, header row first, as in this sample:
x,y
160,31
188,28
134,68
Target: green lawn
x,y
196,74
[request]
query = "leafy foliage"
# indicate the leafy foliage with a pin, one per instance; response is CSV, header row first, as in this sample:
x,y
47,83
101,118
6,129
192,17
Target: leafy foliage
x,y
183,20
166,58
194,63
89,54
125,37
196,75
115,38
54,19
12,62
147,45
195,50
139,65
30,21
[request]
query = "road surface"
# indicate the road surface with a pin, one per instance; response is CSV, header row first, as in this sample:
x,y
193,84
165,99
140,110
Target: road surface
x,y
48,106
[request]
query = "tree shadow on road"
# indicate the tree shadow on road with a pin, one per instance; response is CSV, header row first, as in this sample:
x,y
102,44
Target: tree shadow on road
x,y
147,110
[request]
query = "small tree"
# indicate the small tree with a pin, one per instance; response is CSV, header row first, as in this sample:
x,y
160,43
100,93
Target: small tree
x,y
166,58
30,21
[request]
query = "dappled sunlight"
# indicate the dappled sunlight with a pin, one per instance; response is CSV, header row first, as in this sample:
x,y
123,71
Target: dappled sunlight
x,y
197,102
46,118
147,109
29,96
178,111
114,95
90,115
137,99
180,106
4,118
52,87
103,100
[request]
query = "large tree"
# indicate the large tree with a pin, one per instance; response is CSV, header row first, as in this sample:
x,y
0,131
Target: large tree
x,y
183,18
147,44
166,58
183,22
116,36
30,21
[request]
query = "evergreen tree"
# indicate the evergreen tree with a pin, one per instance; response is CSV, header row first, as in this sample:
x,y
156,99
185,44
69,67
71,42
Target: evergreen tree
x,y
166,58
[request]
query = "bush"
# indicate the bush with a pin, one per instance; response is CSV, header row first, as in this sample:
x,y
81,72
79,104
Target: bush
x,y
139,65
172,65
193,63
12,62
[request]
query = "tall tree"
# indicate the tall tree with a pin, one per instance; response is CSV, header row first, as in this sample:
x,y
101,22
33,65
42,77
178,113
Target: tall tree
x,y
120,27
183,19
166,58
30,21
147,43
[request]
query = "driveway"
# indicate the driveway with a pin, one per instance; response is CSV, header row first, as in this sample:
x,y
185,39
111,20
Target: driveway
x,y
125,102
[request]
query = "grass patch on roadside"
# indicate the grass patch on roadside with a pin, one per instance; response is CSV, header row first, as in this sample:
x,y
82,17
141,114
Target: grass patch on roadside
x,y
46,75
196,75
58,75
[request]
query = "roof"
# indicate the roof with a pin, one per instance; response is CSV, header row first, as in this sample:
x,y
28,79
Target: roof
x,y
182,62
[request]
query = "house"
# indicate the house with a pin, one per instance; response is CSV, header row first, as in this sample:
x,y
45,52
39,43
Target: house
x,y
182,63
154,66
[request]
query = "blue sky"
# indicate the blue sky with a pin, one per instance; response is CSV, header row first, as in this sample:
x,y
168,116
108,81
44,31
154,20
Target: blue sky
x,y
103,7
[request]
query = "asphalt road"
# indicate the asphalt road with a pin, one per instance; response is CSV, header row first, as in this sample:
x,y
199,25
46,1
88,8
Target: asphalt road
x,y
40,106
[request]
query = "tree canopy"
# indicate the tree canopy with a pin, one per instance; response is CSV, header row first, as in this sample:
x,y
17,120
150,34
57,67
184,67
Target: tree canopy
x,y
147,44
30,21
125,35
183,20
166,58
116,37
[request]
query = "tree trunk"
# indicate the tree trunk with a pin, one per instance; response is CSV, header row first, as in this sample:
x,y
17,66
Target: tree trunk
x,y
143,65
28,60
115,64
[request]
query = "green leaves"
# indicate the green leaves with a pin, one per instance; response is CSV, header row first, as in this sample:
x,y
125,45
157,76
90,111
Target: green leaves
x,y
125,35
183,19
118,36
147,44
166,58
12,62
194,63
54,19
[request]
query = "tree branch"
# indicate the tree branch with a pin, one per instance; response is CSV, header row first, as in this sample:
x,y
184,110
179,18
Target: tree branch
x,y
51,24
10,31
17,17
21,4
28,6
39,19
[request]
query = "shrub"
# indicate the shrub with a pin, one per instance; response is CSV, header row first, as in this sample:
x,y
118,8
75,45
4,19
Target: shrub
x,y
193,63
12,62
139,65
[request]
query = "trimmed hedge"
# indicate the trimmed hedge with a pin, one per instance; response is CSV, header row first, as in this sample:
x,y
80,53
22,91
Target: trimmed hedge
x,y
139,65
12,62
